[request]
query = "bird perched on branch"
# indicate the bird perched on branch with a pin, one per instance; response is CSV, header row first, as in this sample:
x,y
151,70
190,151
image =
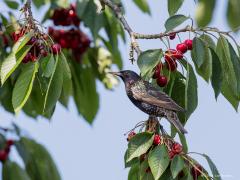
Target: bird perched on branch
x,y
149,99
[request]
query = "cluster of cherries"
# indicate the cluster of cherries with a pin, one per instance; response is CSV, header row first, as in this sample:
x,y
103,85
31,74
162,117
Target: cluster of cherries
x,y
5,152
38,47
73,39
171,57
174,149
66,16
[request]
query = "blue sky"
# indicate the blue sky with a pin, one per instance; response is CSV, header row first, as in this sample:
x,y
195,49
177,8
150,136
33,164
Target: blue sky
x,y
92,152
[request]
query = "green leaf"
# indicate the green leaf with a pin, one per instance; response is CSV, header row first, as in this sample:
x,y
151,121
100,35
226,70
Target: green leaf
x,y
198,52
236,65
48,64
204,12
84,91
134,172
67,81
12,4
174,21
158,161
139,145
12,171
173,6
148,60
19,51
143,5
191,94
54,88
183,140
217,75
23,86
130,163
233,14
216,175
145,173
113,29
177,165
229,85
38,162
90,17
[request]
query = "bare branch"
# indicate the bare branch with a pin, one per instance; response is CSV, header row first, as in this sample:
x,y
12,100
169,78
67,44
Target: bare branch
x,y
119,14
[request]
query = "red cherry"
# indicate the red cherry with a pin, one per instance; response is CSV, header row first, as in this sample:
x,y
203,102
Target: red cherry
x,y
157,70
10,142
131,135
27,58
3,155
43,52
177,148
182,48
189,42
157,139
171,154
171,65
172,54
162,81
172,36
56,48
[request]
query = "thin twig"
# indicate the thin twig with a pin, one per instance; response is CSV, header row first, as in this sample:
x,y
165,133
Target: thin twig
x,y
116,8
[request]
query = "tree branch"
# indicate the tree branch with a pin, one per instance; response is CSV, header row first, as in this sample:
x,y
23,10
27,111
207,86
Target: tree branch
x,y
119,14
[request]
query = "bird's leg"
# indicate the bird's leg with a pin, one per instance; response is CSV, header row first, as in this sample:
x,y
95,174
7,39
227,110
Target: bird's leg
x,y
152,124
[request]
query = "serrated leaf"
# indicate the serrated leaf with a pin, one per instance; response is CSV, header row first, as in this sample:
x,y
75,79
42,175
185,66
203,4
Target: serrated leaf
x,y
209,42
84,90
173,6
143,5
134,172
23,86
148,60
12,171
177,165
90,17
191,94
204,12
38,162
174,21
217,75
229,85
236,65
233,14
67,81
144,172
139,145
216,174
13,60
48,65
130,163
198,52
158,161
54,88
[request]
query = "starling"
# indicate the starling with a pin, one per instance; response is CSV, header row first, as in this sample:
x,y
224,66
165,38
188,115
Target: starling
x,y
149,99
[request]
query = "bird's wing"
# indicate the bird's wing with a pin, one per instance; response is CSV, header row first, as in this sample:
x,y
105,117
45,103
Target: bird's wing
x,y
155,97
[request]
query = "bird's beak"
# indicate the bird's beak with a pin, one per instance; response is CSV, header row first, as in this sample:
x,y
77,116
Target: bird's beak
x,y
116,73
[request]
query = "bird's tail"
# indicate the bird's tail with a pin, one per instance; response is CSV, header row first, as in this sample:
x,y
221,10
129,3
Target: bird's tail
x,y
173,118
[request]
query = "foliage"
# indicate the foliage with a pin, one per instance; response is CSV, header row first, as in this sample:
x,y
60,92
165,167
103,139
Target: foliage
x,y
39,69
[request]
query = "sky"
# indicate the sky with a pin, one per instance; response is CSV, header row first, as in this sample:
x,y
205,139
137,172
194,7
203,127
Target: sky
x,y
93,152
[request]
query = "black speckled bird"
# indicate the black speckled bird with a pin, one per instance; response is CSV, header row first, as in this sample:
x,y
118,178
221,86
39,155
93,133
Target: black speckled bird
x,y
149,99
